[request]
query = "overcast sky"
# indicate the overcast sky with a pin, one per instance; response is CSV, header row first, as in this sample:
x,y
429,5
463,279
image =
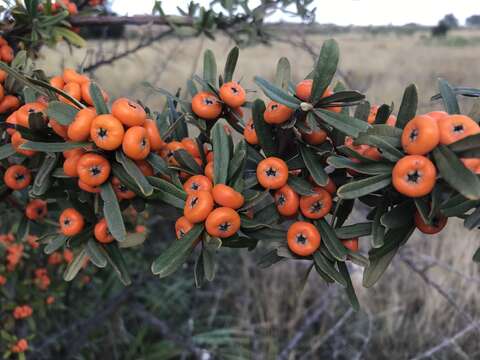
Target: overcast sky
x,y
346,12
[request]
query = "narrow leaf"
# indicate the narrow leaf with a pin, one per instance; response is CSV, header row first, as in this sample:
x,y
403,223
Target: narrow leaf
x,y
363,187
177,253
112,213
408,107
456,174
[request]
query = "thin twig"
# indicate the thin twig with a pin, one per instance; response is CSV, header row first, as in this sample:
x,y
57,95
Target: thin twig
x,y
329,333
165,331
108,20
447,342
309,321
84,326
437,287
130,51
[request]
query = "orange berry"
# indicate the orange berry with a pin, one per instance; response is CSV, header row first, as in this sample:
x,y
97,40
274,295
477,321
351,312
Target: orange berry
x,y
222,222
303,238
129,112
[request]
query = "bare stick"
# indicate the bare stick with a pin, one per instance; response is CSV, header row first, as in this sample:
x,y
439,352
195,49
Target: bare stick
x,y
81,21
307,324
115,57
447,342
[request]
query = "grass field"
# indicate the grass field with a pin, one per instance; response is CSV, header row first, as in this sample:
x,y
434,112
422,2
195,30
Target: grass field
x,y
408,311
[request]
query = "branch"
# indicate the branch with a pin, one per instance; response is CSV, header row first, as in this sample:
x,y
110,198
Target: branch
x,y
84,326
438,288
165,331
329,334
309,321
447,342
138,20
112,59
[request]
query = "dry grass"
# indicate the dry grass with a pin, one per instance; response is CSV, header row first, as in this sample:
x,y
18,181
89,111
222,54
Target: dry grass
x,y
407,314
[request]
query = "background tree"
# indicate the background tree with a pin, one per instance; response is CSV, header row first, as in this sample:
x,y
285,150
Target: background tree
x,y
473,20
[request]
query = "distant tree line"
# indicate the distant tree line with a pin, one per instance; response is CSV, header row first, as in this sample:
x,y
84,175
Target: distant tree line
x,y
473,20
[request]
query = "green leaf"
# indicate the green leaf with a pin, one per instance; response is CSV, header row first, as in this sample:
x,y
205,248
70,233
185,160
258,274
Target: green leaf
x,y
473,220
379,263
96,254
56,242
98,100
277,94
6,151
43,178
340,97
269,258
300,186
112,212
283,74
399,216
423,208
355,189
457,206
325,69
352,297
390,134
21,79
238,160
75,266
362,111
230,64
125,178
342,122
377,267
32,82
358,259
132,240
116,260
52,147
23,229
329,238
471,142
158,164
388,151
209,263
353,231
328,268
209,68
378,229
70,36
168,193
456,174
474,112
61,112
221,149
373,168
267,234
37,122
177,253
476,256
199,272
448,96
29,95
342,211
314,165
132,169
383,113
187,161
264,131
408,107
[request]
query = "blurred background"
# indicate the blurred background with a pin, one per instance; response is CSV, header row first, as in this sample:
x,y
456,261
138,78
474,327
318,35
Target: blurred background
x,y
426,305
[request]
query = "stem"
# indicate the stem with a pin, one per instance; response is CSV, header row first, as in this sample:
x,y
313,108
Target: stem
x,y
83,21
